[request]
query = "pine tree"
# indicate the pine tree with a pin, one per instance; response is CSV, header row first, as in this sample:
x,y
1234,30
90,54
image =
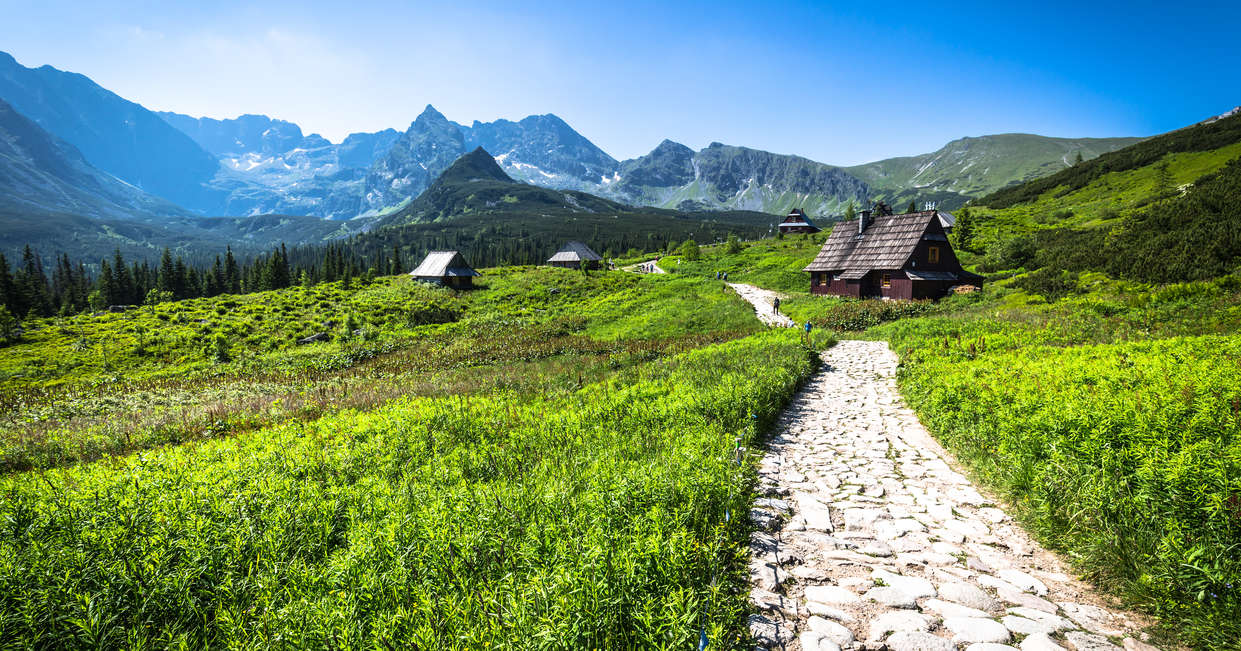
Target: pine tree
x,y
8,291
850,212
167,279
180,280
232,277
126,293
106,283
1163,179
913,207
32,286
1077,160
398,265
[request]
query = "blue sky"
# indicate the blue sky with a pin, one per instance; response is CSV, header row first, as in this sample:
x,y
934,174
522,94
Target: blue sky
x,y
837,82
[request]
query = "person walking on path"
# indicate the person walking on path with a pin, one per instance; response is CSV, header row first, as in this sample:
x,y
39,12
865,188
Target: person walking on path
x,y
805,337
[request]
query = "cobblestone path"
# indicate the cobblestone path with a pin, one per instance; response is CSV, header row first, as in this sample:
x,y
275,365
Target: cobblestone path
x,y
870,540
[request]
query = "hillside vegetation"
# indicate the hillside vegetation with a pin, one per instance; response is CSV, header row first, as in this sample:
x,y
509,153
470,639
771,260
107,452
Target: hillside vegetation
x,y
608,517
80,387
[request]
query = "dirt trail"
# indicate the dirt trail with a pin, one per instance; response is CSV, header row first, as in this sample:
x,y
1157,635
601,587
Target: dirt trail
x,y
870,540
762,299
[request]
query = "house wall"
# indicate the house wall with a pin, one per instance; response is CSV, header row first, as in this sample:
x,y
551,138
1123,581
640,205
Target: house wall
x,y
901,287
825,286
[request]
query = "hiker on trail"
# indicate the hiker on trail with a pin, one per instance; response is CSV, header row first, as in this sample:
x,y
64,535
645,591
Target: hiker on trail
x,y
725,276
775,304
806,334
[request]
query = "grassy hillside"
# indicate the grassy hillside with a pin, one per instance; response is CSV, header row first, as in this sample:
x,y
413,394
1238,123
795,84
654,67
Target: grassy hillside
x,y
1196,138
972,167
80,387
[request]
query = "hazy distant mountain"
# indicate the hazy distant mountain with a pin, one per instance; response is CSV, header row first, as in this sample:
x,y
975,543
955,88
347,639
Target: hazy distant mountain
x,y
735,178
40,173
254,165
972,167
115,135
544,150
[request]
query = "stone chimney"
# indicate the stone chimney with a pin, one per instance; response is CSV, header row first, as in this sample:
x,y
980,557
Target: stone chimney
x,y
863,220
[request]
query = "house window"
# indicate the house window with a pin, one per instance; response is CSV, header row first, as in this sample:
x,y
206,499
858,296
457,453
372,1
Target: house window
x,y
887,280
932,254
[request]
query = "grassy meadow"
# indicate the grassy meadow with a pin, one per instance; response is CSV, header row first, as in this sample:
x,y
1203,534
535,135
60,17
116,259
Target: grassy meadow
x,y
552,460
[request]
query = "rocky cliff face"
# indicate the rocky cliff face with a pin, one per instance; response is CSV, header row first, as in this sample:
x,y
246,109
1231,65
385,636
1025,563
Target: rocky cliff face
x,y
735,178
544,150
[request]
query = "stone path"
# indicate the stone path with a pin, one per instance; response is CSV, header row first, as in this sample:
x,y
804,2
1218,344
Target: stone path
x,y
761,300
868,539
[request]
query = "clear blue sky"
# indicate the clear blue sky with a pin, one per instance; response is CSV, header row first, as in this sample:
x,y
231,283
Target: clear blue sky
x,y
835,82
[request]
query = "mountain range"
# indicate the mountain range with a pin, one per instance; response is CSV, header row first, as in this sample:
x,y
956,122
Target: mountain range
x,y
150,166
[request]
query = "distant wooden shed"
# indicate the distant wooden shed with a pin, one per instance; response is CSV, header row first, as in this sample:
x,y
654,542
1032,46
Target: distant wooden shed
x,y
798,222
575,255
446,268
889,256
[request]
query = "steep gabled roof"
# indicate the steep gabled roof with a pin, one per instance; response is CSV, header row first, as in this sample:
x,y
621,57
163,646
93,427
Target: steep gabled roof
x,y
886,243
575,252
797,217
439,264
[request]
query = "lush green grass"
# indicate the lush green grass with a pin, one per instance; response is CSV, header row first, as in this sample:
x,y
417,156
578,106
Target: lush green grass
x,y
771,263
610,517
80,388
1110,419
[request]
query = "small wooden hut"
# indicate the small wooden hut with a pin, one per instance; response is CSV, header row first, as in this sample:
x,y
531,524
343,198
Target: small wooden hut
x,y
889,256
446,268
798,222
575,255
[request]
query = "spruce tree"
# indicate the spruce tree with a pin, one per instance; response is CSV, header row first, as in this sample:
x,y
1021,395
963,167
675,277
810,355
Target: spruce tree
x,y
8,291
126,293
107,283
167,279
232,277
913,207
32,286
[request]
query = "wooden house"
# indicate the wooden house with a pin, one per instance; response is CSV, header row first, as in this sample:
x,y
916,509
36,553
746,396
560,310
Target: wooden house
x,y
446,268
575,255
798,222
889,256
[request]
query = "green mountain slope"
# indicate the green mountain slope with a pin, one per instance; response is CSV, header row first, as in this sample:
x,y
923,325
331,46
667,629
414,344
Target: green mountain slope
x,y
972,167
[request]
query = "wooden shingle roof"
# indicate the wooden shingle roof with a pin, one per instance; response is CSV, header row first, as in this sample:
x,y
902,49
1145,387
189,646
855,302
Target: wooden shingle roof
x,y
575,252
441,264
886,243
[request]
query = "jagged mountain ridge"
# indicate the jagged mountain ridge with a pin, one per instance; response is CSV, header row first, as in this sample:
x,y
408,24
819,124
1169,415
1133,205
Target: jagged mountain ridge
x,y
256,165
725,177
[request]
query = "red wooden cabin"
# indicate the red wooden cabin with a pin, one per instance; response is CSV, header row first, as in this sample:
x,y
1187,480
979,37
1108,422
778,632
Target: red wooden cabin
x,y
889,256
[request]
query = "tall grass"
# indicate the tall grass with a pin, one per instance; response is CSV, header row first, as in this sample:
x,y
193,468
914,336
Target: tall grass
x,y
1126,456
606,518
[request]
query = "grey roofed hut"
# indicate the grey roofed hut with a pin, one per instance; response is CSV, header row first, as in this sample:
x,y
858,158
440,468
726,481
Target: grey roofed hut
x,y
447,268
574,255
